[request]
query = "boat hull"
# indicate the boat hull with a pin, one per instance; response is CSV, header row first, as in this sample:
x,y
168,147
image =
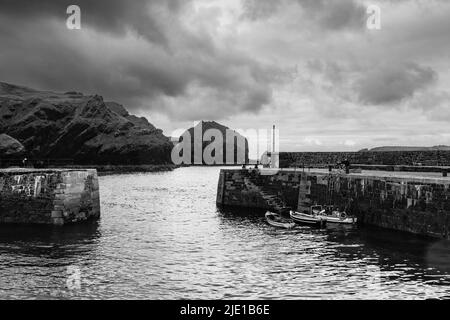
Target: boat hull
x,y
336,220
285,225
306,219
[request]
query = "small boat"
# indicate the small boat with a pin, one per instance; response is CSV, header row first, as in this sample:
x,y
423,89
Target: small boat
x,y
334,215
311,218
275,220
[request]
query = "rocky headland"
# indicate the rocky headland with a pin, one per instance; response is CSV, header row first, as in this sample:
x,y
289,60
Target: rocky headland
x,y
76,129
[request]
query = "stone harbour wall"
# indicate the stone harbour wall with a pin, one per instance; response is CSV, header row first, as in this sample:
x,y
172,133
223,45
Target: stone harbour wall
x,y
48,196
405,203
392,158
234,191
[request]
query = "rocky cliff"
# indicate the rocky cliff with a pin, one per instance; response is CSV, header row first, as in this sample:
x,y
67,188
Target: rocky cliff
x,y
83,129
239,144
10,147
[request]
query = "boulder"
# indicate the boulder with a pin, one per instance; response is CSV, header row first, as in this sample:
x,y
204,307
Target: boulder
x,y
10,147
239,144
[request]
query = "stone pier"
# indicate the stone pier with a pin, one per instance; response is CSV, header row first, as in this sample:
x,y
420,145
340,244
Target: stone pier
x,y
418,203
48,196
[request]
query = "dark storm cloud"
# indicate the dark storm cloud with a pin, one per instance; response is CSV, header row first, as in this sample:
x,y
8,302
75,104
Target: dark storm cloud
x,y
393,83
214,59
335,15
134,52
329,69
327,14
259,9
108,15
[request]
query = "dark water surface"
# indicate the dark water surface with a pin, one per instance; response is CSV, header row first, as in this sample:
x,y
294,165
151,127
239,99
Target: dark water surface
x,y
162,237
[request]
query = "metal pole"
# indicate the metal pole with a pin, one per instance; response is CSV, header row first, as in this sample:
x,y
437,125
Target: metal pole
x,y
273,139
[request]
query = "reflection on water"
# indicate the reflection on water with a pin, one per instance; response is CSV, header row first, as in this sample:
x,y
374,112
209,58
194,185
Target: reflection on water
x,y
34,259
162,237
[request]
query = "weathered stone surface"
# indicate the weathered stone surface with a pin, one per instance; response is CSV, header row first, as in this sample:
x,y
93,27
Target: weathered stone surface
x,y
42,196
57,214
58,221
84,129
10,147
392,158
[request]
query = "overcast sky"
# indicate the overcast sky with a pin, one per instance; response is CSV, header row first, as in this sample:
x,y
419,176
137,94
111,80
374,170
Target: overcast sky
x,y
311,67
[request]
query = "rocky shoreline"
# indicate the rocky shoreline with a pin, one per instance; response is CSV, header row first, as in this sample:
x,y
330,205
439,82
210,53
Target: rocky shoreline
x,y
104,170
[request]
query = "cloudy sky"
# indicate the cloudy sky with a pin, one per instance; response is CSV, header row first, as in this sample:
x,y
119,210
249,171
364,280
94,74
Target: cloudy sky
x,y
311,67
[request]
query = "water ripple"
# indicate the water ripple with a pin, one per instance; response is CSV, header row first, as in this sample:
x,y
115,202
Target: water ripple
x,y
162,237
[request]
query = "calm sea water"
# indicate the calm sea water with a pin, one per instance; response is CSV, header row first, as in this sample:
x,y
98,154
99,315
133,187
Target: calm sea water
x,y
162,237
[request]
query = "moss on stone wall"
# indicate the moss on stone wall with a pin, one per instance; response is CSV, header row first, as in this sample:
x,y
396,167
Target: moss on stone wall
x,y
48,196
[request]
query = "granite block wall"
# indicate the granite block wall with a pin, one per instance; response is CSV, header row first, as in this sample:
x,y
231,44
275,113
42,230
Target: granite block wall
x,y
405,158
48,196
234,191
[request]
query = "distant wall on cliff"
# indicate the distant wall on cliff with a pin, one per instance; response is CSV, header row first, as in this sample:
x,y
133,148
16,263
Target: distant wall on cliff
x,y
425,158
